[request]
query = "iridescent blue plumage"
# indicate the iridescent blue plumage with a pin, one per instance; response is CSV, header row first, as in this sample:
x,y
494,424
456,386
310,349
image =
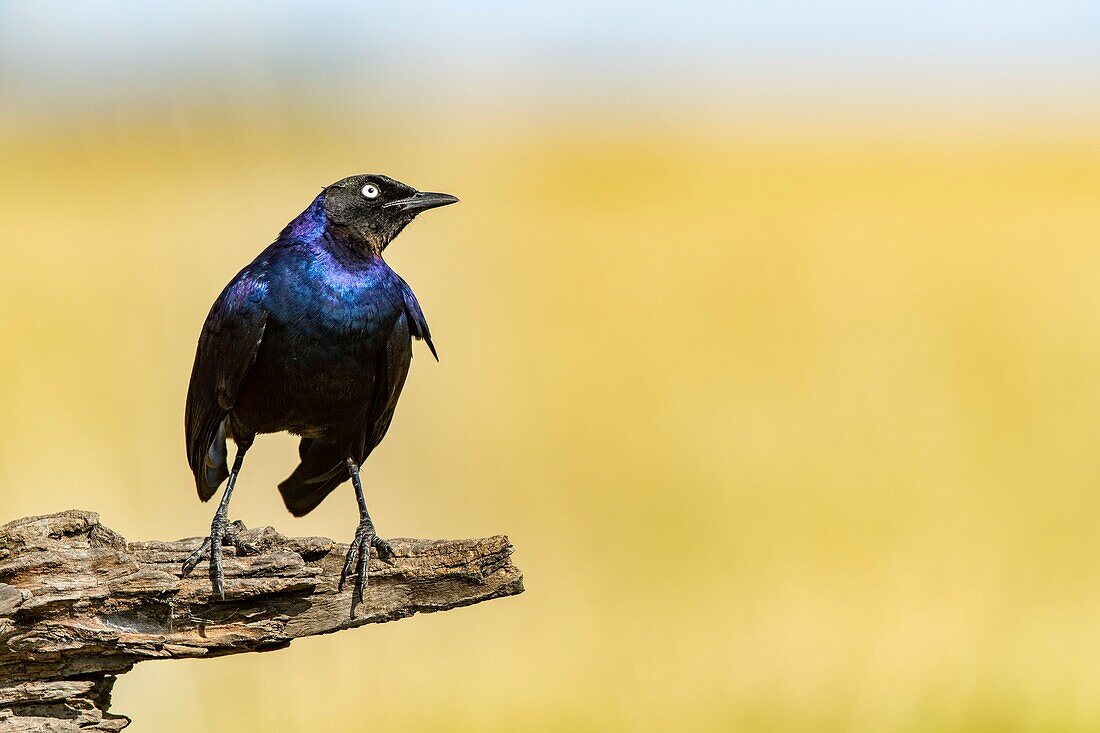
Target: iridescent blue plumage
x,y
314,338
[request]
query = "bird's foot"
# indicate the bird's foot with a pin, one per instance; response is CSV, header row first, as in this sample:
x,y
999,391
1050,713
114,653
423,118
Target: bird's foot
x,y
359,554
222,533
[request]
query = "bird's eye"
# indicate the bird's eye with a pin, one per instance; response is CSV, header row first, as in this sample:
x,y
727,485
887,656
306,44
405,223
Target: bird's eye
x,y
370,191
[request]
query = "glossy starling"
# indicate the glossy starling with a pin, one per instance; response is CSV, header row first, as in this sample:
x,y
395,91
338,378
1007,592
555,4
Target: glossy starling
x,y
314,337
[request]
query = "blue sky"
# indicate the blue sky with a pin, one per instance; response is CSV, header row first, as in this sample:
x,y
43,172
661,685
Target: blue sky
x,y
55,53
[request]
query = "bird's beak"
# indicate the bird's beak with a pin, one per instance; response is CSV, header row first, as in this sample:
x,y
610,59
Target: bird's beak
x,y
422,201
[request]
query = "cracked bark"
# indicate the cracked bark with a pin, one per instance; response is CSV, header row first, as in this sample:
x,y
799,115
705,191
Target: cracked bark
x,y
80,605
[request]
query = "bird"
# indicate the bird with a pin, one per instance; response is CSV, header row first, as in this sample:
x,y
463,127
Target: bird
x,y
313,337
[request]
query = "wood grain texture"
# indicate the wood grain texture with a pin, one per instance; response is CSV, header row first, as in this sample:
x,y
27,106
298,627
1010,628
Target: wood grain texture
x,y
80,605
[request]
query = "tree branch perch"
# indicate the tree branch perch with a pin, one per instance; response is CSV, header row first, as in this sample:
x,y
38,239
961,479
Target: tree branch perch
x,y
79,605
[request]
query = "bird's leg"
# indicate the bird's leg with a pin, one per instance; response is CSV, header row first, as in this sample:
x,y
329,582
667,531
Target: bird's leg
x,y
222,532
365,538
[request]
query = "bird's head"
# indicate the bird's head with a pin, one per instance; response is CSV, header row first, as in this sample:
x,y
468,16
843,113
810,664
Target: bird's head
x,y
372,209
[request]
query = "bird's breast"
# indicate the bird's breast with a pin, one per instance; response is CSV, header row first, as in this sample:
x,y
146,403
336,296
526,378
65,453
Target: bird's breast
x,y
329,330
324,297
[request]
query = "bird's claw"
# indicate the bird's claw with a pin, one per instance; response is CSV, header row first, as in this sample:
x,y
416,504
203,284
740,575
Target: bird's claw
x,y
231,538
222,533
384,550
359,555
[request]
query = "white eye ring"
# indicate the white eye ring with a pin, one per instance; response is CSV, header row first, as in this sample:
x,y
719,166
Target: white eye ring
x,y
370,191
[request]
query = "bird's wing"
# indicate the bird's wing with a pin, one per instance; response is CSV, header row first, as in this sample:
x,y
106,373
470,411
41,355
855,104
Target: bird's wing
x,y
227,348
391,371
418,325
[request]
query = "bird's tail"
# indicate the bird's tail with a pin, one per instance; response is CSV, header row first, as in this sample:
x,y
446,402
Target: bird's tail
x,y
322,469
215,468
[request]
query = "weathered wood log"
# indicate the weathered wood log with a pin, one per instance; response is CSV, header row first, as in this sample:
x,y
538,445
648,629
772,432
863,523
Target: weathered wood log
x,y
80,605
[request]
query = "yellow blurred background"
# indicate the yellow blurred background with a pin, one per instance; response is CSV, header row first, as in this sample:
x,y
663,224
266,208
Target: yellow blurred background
x,y
791,410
